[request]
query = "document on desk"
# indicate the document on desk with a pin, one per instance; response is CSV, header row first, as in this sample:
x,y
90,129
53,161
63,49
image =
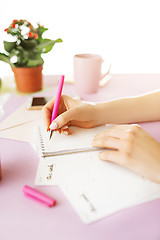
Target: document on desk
x,y
95,188
20,124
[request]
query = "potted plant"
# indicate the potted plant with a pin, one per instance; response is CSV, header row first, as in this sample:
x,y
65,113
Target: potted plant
x,y
24,54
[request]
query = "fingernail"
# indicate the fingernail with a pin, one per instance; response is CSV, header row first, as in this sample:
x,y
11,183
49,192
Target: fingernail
x,y
53,126
66,132
64,127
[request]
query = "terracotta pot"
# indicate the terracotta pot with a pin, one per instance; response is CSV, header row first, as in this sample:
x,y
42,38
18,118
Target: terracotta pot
x,y
28,79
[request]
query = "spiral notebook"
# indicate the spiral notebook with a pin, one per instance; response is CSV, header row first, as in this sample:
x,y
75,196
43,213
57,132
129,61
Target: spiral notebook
x,y
60,147
79,140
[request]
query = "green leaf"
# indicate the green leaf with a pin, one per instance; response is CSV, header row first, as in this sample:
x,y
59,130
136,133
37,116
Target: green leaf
x,y
35,62
29,43
5,58
41,30
46,45
8,46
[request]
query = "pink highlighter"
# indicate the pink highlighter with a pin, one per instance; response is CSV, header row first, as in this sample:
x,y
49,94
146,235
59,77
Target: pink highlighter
x,y
38,196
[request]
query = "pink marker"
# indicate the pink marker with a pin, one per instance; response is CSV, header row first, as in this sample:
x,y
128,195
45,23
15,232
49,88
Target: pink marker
x,y
57,101
38,196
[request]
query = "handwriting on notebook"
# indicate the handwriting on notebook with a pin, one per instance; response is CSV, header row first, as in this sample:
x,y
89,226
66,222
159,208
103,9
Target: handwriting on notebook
x,y
50,174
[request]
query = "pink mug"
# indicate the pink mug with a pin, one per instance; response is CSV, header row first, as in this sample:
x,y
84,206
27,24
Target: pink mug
x,y
87,72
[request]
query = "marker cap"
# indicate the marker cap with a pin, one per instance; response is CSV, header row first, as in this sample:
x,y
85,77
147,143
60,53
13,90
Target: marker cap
x,y
38,196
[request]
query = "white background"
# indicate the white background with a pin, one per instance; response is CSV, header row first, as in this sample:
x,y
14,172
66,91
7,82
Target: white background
x,y
124,32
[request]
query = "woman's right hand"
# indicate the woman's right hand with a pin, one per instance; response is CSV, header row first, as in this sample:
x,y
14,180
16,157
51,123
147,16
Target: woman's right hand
x,y
72,112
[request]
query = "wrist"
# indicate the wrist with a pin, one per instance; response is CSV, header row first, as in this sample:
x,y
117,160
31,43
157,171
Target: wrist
x,y
101,110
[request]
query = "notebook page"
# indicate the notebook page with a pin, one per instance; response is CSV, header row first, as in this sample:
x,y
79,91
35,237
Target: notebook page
x,y
79,139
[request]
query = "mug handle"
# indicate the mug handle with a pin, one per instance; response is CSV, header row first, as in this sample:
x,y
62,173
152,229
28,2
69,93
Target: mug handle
x,y
106,76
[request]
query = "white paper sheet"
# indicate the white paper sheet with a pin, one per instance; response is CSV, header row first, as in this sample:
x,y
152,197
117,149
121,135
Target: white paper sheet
x,y
20,124
95,188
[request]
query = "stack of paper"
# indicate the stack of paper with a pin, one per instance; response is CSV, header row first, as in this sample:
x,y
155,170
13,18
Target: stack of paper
x,y
20,124
95,188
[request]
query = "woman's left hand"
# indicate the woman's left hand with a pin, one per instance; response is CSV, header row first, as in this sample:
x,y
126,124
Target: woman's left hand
x,y
131,147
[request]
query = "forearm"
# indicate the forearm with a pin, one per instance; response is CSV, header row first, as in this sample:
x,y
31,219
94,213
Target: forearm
x,y
129,110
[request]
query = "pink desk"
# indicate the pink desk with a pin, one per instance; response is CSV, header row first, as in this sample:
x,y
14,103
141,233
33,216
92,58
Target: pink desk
x,y
23,219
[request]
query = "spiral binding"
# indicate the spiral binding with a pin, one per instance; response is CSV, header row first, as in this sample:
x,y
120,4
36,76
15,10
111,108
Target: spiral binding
x,y
41,142
69,151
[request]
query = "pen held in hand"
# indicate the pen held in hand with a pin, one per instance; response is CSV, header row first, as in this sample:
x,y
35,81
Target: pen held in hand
x,y
57,102
51,133
63,130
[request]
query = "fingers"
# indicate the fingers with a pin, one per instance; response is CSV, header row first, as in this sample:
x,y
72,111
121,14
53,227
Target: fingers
x,y
119,137
121,141
47,113
66,104
106,142
114,153
63,119
120,131
65,130
111,156
48,108
116,133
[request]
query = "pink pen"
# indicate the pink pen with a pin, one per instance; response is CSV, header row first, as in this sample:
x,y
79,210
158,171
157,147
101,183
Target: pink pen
x,y
38,196
57,101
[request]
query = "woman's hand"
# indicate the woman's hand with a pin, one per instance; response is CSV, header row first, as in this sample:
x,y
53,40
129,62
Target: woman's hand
x,y
133,148
71,112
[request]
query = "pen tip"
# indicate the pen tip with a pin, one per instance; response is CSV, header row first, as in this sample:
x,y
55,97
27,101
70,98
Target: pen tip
x,y
51,132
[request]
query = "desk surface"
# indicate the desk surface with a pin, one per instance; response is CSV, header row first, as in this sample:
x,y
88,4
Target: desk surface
x,y
21,218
